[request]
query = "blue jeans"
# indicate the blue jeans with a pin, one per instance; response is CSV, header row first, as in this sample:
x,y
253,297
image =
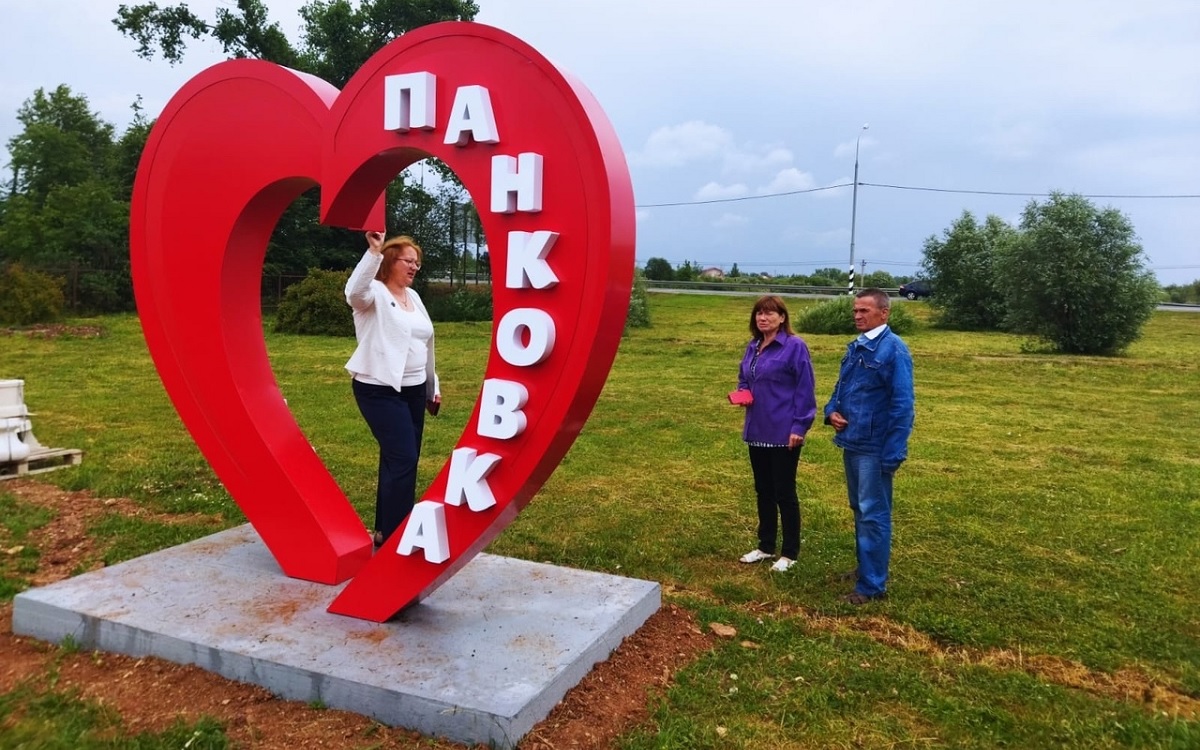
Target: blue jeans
x,y
396,419
870,491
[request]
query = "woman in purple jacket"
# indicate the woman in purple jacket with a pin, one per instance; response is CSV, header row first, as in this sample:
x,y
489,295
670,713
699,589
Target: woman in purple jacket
x,y
777,370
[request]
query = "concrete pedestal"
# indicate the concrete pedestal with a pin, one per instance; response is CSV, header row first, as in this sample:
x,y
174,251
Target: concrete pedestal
x,y
482,660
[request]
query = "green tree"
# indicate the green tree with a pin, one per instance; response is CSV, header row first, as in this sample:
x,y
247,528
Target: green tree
x,y
62,143
659,269
68,210
1183,293
687,271
961,267
879,280
1075,277
830,277
735,272
337,38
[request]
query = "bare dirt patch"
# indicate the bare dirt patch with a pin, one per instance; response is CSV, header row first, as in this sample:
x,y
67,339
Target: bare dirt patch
x,y
150,694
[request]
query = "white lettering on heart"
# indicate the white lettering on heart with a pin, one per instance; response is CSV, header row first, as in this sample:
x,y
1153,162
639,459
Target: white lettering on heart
x,y
500,409
409,101
426,529
525,336
467,479
516,183
471,117
527,267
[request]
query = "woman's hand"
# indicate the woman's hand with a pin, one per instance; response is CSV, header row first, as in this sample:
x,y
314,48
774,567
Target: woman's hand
x,y
795,441
375,242
433,405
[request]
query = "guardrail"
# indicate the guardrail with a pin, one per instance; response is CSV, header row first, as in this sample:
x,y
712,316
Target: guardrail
x,y
749,287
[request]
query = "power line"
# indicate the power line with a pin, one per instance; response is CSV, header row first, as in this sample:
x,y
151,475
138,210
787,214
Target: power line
x,y
1147,196
744,197
1025,195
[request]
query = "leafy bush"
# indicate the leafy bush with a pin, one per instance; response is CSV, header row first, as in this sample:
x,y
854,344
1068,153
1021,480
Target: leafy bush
x,y
962,267
28,297
836,317
316,306
457,304
1076,278
105,291
639,304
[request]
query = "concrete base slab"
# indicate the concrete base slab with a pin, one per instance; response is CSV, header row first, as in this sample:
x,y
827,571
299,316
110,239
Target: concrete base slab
x,y
481,660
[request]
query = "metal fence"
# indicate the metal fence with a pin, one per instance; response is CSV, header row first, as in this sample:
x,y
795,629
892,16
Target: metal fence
x,y
731,286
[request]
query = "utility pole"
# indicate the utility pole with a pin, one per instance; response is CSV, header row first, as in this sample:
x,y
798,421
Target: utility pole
x,y
854,207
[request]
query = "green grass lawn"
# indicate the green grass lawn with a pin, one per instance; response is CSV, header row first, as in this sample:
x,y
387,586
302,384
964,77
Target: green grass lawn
x,y
1046,545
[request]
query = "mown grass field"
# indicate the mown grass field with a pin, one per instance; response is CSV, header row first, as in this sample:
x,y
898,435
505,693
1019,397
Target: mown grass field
x,y
1045,565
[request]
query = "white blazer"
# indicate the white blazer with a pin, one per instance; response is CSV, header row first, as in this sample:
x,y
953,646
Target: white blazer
x,y
383,333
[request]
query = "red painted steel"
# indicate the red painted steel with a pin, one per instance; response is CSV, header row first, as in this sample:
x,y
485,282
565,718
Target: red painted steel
x,y
237,144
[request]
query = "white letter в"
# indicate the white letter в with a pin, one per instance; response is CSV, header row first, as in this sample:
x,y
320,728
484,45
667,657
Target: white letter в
x,y
527,267
500,414
471,116
468,479
409,101
515,327
426,528
517,183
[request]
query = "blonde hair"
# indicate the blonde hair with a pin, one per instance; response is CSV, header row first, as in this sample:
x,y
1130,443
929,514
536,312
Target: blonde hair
x,y
391,253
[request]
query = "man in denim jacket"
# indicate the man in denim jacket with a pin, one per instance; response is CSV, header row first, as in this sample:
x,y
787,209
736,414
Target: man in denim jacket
x,y
871,411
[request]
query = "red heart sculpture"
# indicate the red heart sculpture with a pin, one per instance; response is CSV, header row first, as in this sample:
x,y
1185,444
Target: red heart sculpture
x,y
239,142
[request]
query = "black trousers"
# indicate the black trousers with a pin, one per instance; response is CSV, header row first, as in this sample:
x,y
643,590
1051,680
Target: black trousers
x,y
397,420
775,487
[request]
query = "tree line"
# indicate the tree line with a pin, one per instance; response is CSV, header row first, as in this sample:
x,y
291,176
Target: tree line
x,y
660,269
64,201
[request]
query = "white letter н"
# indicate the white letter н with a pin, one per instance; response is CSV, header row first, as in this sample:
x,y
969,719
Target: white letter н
x,y
517,183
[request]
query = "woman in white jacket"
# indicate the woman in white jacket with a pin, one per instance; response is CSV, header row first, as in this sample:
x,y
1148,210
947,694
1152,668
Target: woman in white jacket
x,y
393,375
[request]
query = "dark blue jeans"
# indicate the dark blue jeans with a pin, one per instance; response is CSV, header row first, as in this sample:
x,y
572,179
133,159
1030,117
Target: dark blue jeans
x,y
397,420
870,491
775,487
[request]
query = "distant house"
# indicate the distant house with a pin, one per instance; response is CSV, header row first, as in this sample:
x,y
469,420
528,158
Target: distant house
x,y
712,272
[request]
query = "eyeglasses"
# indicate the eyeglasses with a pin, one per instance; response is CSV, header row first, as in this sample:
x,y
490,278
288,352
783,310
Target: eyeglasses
x,y
412,263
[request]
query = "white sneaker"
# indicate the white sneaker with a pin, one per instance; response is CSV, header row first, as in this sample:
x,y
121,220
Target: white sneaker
x,y
755,555
783,565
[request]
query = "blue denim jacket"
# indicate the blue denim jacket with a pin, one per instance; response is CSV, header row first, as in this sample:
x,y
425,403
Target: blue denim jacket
x,y
874,392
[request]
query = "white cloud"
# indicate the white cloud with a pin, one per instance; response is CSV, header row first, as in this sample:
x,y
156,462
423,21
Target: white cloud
x,y
751,159
714,191
677,145
787,181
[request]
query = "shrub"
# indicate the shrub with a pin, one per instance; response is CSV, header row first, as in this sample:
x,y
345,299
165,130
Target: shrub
x,y
316,306
1076,278
836,317
639,304
458,304
105,291
28,297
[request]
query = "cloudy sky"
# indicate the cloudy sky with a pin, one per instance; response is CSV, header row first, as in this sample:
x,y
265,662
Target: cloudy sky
x,y
734,115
